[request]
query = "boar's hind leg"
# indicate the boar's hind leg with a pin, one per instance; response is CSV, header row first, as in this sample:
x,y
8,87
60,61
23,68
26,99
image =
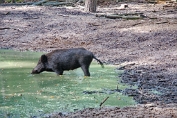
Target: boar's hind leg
x,y
85,69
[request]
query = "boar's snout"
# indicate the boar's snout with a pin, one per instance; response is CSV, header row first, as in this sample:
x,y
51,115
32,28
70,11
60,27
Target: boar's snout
x,y
35,71
38,69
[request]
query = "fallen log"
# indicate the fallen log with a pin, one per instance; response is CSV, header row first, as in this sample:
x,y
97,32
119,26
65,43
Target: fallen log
x,y
100,15
113,16
163,22
130,16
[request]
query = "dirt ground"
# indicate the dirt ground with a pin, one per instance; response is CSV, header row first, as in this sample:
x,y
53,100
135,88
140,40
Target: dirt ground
x,y
146,49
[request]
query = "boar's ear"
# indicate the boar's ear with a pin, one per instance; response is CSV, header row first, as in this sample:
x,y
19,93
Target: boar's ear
x,y
43,58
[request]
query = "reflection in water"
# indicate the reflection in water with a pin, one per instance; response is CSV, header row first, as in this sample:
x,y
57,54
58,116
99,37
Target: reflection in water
x,y
26,95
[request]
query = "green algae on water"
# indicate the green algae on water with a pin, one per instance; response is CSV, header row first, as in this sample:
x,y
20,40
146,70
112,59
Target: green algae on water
x,y
26,95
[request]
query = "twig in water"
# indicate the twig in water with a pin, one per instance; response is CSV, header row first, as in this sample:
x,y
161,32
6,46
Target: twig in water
x,y
103,101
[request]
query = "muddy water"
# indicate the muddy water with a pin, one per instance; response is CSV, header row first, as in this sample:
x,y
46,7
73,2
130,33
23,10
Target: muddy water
x,y
26,95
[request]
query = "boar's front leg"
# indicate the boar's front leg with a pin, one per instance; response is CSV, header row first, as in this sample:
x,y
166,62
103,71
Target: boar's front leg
x,y
57,69
85,69
59,72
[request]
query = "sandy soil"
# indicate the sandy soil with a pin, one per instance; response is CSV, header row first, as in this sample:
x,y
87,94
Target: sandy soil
x,y
146,49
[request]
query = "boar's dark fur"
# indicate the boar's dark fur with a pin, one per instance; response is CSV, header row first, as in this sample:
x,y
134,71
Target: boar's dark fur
x,y
65,59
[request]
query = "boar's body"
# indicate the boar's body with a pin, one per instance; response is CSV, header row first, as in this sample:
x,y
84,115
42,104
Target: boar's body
x,y
65,59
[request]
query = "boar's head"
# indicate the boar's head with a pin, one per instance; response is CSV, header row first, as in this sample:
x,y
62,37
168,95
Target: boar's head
x,y
41,66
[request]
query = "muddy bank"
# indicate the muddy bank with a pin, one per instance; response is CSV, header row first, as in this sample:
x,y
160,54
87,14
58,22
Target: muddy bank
x,y
140,111
155,84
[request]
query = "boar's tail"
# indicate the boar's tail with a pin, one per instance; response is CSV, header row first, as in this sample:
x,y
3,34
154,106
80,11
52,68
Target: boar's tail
x,y
99,61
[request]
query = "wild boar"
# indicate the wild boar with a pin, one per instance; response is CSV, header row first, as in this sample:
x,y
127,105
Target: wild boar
x,y
65,59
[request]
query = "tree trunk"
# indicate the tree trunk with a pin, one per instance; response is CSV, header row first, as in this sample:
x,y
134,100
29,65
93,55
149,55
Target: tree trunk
x,y
90,5
13,1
